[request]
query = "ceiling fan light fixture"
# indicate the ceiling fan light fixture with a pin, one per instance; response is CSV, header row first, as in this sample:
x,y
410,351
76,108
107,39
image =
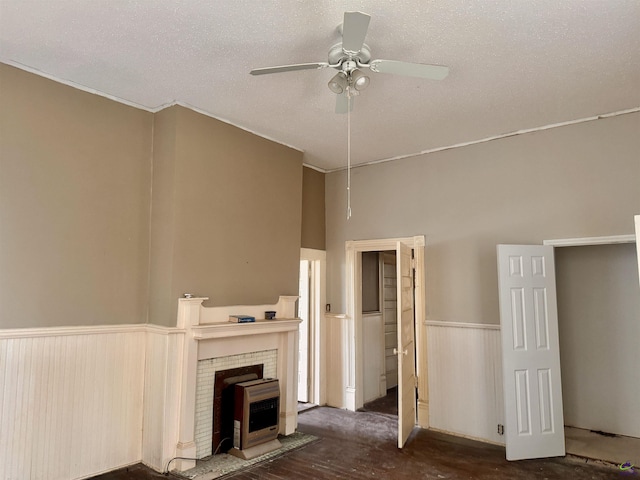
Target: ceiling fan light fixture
x,y
359,80
338,83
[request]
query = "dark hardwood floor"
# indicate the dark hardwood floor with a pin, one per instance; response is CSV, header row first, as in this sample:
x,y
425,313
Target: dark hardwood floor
x,y
362,445
387,404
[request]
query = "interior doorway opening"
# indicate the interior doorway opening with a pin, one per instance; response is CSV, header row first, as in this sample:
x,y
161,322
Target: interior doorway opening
x,y
379,324
598,311
311,301
599,324
410,352
304,296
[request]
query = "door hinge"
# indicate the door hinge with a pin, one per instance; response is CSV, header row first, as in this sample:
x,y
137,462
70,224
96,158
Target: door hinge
x,y
500,429
415,381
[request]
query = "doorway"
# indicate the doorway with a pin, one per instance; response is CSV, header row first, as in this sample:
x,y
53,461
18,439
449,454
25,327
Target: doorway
x,y
525,316
380,324
411,329
304,295
599,324
311,362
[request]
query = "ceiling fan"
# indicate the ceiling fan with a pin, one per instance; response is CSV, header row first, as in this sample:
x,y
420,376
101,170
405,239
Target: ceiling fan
x,y
350,57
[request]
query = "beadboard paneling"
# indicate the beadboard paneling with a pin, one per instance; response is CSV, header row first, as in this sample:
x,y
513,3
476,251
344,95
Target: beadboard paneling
x,y
161,398
70,401
465,379
337,376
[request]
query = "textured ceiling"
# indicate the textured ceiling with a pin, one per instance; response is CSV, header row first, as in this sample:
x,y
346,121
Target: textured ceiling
x,y
514,64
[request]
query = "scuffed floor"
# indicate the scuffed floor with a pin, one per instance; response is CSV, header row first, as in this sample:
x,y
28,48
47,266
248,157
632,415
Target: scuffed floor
x,y
362,445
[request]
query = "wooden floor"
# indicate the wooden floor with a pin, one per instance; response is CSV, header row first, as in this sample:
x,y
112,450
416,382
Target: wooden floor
x,y
362,445
387,404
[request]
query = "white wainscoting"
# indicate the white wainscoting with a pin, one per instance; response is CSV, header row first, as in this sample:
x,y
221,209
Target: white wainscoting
x,y
161,395
337,328
79,401
465,379
70,401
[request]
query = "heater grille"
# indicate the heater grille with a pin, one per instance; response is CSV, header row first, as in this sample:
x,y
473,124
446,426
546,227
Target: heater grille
x,y
263,414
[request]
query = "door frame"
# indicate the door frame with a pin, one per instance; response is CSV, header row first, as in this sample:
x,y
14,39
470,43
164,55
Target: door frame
x,y
317,344
303,313
353,354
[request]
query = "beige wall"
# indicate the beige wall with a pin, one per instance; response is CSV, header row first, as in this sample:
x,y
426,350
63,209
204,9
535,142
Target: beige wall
x,y
313,211
573,181
161,300
76,232
232,229
74,205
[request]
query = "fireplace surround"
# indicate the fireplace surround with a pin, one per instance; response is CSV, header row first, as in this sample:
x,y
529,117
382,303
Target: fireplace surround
x,y
212,376
209,335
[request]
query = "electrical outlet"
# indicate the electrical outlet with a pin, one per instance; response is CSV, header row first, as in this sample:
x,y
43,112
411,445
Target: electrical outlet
x,y
327,307
500,429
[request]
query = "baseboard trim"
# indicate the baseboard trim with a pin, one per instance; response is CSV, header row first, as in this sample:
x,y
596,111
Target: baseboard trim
x,y
468,437
111,470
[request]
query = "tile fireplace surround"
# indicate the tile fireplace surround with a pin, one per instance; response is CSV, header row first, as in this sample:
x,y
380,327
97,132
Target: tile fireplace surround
x,y
205,391
210,335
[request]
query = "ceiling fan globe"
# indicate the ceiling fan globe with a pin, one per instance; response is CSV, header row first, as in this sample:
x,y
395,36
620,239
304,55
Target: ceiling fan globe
x,y
359,80
338,83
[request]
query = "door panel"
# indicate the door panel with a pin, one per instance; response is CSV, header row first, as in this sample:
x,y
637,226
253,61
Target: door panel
x,y
406,346
534,425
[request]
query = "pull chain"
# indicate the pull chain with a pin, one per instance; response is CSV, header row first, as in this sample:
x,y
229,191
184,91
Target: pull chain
x,y
348,153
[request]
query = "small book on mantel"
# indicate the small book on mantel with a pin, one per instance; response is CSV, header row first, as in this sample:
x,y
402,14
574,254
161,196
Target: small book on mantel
x,y
241,318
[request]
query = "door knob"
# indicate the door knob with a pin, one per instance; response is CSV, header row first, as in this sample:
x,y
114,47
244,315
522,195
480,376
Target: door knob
x,y
404,352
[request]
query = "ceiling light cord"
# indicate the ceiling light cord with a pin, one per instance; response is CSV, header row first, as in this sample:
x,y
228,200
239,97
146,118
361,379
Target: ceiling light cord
x,y
348,153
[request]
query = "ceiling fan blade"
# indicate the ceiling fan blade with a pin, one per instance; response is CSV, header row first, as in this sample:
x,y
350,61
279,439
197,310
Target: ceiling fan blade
x,y
342,103
354,29
289,68
420,70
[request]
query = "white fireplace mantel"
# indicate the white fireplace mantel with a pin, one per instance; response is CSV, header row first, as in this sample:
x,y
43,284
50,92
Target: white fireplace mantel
x,y
209,334
259,327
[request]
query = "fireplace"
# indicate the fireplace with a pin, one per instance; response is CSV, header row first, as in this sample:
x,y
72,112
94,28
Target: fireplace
x,y
211,343
211,424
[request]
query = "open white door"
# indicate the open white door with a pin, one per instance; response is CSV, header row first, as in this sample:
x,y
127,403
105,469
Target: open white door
x,y
534,424
406,346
